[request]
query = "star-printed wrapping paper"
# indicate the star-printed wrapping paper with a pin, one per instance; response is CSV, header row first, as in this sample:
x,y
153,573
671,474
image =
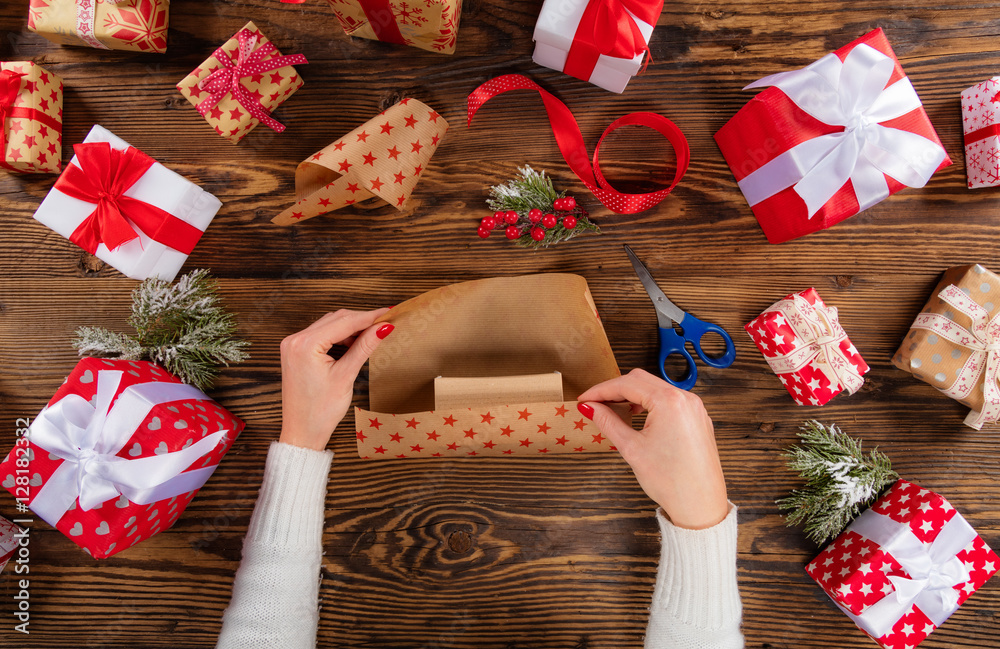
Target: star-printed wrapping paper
x,y
498,327
133,213
803,341
170,435
384,157
31,100
830,140
904,566
237,87
981,126
8,541
135,25
949,342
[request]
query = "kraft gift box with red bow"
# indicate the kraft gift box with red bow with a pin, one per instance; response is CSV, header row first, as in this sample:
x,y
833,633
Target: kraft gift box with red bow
x,y
803,342
31,100
136,25
600,41
118,453
116,202
904,566
981,126
830,140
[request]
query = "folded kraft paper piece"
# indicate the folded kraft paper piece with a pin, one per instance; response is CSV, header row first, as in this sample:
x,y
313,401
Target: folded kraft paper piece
x,y
495,343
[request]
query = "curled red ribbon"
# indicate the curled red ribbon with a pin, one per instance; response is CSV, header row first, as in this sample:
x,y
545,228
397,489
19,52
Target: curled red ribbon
x,y
249,62
103,176
574,151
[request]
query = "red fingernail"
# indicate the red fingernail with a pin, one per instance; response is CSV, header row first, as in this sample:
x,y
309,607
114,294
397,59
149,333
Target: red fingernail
x,y
385,330
586,410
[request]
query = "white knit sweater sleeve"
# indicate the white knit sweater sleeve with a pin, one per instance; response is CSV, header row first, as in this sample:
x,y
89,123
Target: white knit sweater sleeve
x,y
276,590
696,601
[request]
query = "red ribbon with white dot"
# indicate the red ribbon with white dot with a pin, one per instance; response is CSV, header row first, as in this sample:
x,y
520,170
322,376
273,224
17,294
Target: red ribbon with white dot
x,y
574,151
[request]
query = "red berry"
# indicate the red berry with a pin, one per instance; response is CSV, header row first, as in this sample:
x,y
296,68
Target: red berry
x,y
483,232
549,220
510,217
498,215
558,204
512,232
488,222
569,203
534,215
537,234
569,222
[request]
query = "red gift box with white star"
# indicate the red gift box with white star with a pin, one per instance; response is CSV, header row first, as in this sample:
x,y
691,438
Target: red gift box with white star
x,y
981,126
8,541
904,566
31,100
118,453
804,344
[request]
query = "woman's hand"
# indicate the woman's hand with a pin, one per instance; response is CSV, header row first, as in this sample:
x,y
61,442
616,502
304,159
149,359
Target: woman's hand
x,y
674,456
316,389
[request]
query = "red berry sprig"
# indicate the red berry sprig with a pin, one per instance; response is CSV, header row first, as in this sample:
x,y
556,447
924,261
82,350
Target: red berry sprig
x,y
537,224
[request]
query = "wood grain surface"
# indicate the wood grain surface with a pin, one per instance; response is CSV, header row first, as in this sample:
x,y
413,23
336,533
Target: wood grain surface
x,y
527,553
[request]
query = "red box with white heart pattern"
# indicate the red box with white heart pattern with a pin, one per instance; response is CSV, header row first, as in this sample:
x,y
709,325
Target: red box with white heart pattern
x,y
118,453
904,566
802,341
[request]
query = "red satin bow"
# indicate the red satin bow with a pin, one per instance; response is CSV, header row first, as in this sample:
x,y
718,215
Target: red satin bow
x,y
249,62
615,31
574,151
101,176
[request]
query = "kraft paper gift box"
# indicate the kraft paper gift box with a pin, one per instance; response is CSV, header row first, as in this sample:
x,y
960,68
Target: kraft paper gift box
x,y
8,541
584,39
830,140
31,100
237,87
119,452
154,220
497,342
904,566
948,344
981,126
803,341
136,25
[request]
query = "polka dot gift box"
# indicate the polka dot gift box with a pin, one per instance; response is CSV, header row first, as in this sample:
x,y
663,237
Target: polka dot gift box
x,y
949,343
981,125
118,453
803,342
904,566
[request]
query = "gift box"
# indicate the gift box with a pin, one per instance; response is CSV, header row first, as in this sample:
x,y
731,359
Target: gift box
x,y
804,344
949,342
981,126
383,158
603,43
116,202
237,87
830,140
136,25
8,541
31,108
904,566
119,452
468,371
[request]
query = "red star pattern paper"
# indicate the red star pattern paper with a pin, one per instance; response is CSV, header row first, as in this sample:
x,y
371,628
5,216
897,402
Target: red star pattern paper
x,y
228,117
427,24
134,25
981,125
777,335
33,130
855,571
384,157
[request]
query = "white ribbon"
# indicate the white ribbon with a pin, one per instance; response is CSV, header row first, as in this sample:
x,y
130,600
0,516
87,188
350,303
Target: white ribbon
x,y
851,94
984,343
88,435
819,328
934,570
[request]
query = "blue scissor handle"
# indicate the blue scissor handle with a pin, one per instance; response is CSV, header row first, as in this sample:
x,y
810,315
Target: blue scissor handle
x,y
695,330
672,343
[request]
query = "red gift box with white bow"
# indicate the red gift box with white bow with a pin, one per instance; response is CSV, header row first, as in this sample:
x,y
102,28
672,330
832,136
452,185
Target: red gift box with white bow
x,y
830,140
118,453
803,342
904,566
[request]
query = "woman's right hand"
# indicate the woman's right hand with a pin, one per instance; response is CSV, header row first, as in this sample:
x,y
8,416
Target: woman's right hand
x,y
674,456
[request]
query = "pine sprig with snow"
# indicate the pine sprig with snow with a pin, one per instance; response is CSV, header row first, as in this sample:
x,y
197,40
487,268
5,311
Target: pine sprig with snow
x,y
840,480
181,326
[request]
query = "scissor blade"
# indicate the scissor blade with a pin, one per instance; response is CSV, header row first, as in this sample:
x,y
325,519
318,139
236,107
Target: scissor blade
x,y
666,311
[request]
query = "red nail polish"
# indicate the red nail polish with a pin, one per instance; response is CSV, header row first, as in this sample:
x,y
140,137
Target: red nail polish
x,y
384,330
586,410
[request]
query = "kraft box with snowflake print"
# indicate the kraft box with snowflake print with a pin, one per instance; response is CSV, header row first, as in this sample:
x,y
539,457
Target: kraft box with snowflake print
x,y
136,25
981,125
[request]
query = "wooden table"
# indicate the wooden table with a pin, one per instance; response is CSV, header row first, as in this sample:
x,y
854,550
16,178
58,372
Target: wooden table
x,y
537,552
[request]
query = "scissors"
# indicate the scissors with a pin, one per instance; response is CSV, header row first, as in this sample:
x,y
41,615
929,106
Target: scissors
x,y
691,331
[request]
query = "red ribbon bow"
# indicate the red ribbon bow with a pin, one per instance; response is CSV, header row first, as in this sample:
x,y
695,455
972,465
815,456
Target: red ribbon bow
x,y
10,85
249,62
606,27
101,176
574,151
